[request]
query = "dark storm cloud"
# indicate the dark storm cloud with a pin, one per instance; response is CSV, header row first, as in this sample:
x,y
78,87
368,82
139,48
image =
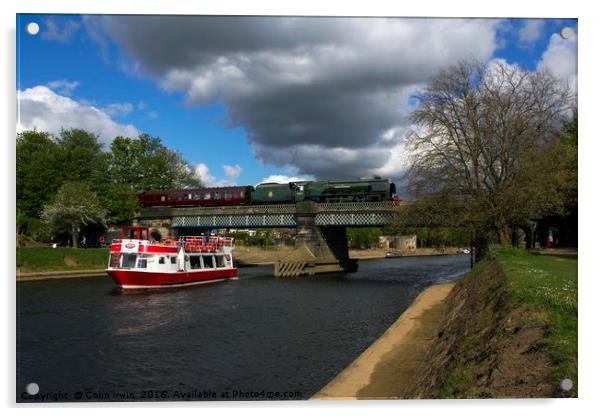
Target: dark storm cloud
x,y
165,42
327,96
315,116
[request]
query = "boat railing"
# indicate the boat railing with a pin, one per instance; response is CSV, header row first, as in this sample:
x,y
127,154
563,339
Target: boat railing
x,y
213,244
197,244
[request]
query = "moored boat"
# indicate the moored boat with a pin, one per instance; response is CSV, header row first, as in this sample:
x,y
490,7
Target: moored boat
x,y
141,264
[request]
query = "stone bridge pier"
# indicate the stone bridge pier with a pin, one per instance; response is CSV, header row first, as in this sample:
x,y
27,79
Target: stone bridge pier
x,y
318,249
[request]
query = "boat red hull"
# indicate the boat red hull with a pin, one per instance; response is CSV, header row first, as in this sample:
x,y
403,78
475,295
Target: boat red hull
x,y
136,279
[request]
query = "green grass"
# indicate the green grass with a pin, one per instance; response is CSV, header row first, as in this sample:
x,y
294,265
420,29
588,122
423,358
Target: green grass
x,y
59,259
549,282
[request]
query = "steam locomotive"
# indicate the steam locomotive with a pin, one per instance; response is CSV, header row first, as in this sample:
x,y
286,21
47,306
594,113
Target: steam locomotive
x,y
362,190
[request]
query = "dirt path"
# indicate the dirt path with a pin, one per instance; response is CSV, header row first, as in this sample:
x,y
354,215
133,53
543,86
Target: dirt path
x,y
383,370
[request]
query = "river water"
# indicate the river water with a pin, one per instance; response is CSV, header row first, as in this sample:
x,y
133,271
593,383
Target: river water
x,y
251,339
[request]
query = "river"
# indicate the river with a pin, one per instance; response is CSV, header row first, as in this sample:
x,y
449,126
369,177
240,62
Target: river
x,y
255,338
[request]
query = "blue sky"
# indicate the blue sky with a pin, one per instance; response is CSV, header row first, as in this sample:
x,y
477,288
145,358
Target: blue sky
x,y
244,100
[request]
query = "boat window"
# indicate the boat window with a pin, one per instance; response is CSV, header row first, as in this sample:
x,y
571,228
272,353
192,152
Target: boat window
x,y
216,195
242,194
228,195
162,197
128,261
208,262
189,196
195,262
173,260
114,261
197,197
161,260
207,195
141,263
220,261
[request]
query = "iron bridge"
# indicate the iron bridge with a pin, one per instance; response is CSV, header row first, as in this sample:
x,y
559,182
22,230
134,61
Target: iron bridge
x,y
353,214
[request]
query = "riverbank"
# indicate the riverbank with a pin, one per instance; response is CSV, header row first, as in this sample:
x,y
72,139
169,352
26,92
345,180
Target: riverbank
x,y
28,277
34,263
510,331
507,330
263,256
384,369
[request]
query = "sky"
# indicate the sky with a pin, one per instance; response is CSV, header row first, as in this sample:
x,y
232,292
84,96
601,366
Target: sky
x,y
262,99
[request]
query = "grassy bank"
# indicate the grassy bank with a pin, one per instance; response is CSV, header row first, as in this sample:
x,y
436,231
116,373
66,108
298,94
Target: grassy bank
x,y
550,283
510,330
60,259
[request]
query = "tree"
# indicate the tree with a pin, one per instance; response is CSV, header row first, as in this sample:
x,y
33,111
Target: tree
x,y
44,163
122,203
74,205
363,237
145,164
81,157
484,137
38,173
569,140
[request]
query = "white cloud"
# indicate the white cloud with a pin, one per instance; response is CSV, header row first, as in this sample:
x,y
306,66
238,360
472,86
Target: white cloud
x,y
42,109
63,86
119,109
560,58
231,174
51,30
530,32
285,179
202,172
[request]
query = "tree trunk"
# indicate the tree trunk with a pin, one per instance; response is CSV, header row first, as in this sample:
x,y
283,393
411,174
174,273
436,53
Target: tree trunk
x,y
481,244
503,231
74,235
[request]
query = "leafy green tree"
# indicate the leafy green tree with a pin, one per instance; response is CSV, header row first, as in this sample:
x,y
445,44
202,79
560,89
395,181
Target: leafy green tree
x,y
113,175
82,158
122,203
38,174
75,205
363,237
569,140
145,164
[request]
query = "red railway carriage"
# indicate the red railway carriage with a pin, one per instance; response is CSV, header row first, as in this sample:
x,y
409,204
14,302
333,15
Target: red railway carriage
x,y
205,197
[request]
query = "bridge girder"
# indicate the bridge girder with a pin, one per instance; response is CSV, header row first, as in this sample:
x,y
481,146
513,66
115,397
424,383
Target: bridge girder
x,y
359,214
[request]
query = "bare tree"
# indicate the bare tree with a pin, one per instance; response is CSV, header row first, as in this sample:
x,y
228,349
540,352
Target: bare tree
x,y
484,133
